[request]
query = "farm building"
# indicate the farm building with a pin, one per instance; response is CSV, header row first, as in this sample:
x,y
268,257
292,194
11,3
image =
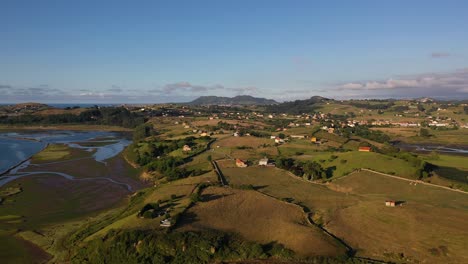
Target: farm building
x,y
390,203
187,148
240,163
263,162
166,223
298,136
365,149
279,140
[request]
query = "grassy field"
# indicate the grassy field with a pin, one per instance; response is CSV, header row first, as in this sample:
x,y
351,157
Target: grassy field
x,y
283,185
259,218
59,152
181,189
431,220
443,137
346,162
451,167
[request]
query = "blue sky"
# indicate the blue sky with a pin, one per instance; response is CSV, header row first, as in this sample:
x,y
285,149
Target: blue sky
x,y
155,51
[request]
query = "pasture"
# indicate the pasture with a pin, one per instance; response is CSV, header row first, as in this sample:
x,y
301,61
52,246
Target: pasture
x,y
259,218
432,220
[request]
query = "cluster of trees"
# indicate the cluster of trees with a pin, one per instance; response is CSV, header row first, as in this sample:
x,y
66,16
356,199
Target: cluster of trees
x,y
309,170
114,116
150,246
168,166
143,131
381,105
155,149
365,132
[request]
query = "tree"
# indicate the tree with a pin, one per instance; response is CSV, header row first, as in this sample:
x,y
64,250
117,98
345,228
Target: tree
x,y
423,132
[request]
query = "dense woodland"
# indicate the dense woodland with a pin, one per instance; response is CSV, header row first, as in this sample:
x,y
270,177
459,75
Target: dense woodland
x,y
139,246
113,116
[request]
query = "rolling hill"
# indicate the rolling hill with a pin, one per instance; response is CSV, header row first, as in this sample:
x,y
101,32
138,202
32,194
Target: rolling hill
x,y
237,100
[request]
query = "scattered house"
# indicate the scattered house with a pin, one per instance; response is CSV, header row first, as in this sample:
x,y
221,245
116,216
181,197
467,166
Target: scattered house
x,y
263,162
307,124
279,140
166,222
331,130
186,148
240,163
186,126
297,136
203,134
313,139
273,137
365,149
390,203
236,134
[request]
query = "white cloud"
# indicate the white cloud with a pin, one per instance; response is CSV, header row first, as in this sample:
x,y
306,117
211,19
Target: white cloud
x,y
448,83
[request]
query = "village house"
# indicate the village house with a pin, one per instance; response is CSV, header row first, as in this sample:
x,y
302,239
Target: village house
x,y
390,203
263,162
313,139
298,136
365,149
166,222
240,163
186,148
279,140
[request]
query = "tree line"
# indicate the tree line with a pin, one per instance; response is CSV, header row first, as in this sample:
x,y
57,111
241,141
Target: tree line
x,y
113,116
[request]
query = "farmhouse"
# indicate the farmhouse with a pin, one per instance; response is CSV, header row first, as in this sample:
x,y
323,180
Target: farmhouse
x,y
279,140
390,203
297,136
365,149
240,163
263,162
166,222
186,148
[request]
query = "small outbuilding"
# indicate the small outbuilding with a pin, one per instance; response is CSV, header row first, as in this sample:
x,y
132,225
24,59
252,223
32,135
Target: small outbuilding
x,y
365,149
166,223
263,162
240,163
186,148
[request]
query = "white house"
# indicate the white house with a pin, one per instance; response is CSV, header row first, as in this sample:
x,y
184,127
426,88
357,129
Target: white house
x,y
263,162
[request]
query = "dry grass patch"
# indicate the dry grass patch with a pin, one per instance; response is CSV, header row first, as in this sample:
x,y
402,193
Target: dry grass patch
x,y
259,218
430,226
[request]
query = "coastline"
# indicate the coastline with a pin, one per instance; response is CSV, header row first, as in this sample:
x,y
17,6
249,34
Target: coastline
x,y
7,171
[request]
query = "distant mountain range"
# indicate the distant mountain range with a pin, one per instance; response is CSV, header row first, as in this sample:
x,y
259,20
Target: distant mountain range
x,y
237,100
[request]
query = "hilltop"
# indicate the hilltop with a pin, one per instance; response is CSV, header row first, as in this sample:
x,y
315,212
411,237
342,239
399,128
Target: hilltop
x,y
237,100
298,106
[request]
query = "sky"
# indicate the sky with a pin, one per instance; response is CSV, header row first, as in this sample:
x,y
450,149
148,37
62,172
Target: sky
x,y
174,51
